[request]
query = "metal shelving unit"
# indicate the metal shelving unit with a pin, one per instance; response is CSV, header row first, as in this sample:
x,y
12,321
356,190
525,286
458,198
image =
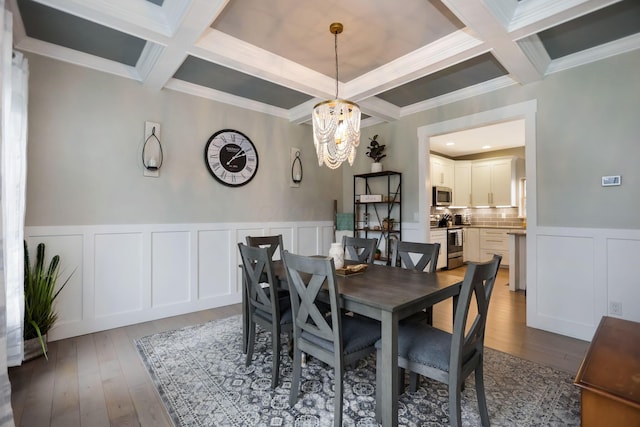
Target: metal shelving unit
x,y
369,215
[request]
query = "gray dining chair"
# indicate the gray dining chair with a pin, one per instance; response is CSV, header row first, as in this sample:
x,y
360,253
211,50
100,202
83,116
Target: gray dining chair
x,y
451,357
335,339
273,243
359,249
265,305
419,257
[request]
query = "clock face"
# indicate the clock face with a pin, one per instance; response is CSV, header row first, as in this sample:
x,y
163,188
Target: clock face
x,y
231,157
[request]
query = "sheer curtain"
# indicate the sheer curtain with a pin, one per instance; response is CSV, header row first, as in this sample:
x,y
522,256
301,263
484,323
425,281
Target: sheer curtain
x,y
13,165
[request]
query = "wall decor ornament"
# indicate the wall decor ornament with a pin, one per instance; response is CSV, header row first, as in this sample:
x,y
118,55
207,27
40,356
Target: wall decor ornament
x,y
231,158
152,154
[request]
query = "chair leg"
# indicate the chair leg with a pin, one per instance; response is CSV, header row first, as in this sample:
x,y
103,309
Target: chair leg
x,y
400,381
275,366
414,381
251,337
378,387
295,377
455,415
337,399
429,311
482,399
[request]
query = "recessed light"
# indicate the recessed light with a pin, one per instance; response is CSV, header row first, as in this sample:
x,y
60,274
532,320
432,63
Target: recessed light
x,y
486,147
449,144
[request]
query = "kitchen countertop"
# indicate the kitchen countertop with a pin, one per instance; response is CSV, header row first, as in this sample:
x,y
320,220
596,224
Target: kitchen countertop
x,y
510,227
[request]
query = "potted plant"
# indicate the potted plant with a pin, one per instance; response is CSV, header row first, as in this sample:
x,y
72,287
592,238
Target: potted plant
x,y
39,295
375,152
378,254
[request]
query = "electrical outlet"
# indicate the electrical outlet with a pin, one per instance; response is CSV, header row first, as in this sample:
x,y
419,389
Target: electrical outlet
x,y
615,308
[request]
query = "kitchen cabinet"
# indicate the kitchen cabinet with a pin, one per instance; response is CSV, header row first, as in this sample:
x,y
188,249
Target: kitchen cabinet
x,y
440,236
494,241
376,198
471,246
493,182
462,183
442,171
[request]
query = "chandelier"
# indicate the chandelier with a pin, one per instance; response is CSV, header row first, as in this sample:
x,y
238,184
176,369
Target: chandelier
x,y
336,123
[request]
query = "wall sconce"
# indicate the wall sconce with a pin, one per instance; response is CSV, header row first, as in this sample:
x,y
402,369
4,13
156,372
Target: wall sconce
x,y
296,167
152,155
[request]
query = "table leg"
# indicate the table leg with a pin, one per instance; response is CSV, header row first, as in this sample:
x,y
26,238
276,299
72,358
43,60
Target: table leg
x,y
389,372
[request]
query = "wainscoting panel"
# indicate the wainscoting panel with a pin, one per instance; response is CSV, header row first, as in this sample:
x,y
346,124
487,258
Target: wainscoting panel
x,y
126,274
576,274
566,283
624,260
118,273
214,263
171,261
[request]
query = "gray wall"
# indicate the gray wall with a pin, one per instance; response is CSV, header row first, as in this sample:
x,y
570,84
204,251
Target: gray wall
x,y
86,131
588,125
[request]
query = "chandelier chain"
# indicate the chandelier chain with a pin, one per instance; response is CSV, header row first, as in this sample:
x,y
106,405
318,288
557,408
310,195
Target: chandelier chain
x,y
336,49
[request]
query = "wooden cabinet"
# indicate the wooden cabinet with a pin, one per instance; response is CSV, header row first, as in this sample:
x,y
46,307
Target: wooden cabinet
x,y
471,247
608,376
369,216
493,182
442,171
462,183
440,236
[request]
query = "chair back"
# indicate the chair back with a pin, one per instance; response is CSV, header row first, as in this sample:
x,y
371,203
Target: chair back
x,y
359,249
427,256
468,337
306,277
258,268
273,243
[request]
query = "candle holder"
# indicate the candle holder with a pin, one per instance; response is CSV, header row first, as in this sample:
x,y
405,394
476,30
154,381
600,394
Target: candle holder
x,y
152,154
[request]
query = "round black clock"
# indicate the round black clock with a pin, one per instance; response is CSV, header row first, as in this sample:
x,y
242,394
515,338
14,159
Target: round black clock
x,y
231,157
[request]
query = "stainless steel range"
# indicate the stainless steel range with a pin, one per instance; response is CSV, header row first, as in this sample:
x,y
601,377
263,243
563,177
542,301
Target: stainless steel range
x,y
454,247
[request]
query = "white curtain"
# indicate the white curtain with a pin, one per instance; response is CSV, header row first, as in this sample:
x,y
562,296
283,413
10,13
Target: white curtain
x,y
14,166
12,204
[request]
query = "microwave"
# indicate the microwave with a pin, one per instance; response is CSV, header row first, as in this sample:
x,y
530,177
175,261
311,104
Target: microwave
x,y
442,196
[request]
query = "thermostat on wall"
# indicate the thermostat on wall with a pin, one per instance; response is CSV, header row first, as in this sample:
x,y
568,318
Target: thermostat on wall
x,y
608,181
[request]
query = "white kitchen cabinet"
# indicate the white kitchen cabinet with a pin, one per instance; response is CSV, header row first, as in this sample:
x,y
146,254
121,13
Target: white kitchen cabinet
x,y
493,182
471,247
494,241
440,236
462,183
442,171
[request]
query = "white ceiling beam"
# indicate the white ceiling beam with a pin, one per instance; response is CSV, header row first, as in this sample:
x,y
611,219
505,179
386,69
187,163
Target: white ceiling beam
x,y
218,47
196,22
480,20
138,18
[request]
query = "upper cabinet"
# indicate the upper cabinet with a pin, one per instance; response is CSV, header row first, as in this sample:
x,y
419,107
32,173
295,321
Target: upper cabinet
x,y
462,183
493,182
488,182
442,171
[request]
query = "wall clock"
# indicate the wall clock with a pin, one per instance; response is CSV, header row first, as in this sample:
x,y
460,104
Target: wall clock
x,y
231,157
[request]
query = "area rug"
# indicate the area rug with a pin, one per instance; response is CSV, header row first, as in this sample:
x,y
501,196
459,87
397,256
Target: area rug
x,y
200,374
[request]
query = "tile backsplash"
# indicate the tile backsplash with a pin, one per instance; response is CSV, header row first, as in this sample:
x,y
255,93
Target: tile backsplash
x,y
496,217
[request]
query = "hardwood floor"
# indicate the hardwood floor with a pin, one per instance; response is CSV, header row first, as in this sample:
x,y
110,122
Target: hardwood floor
x,y
98,379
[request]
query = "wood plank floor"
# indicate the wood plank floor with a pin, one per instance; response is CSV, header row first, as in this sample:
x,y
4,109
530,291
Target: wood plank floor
x,y
99,380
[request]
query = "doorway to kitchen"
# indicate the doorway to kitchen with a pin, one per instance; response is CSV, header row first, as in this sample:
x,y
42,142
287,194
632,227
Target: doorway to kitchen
x,y
525,110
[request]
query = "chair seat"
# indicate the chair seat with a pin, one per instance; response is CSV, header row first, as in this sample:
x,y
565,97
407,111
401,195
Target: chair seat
x,y
286,315
421,343
358,333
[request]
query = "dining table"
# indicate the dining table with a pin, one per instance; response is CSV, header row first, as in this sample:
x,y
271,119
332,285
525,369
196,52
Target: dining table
x,y
387,294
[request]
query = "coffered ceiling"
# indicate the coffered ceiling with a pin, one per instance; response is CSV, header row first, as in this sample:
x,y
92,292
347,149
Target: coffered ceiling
x,y
395,57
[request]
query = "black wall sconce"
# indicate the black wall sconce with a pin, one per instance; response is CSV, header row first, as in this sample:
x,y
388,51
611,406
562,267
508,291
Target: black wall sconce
x,y
152,155
296,167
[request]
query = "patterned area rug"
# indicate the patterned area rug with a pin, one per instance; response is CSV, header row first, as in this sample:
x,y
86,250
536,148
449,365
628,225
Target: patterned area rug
x,y
200,374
